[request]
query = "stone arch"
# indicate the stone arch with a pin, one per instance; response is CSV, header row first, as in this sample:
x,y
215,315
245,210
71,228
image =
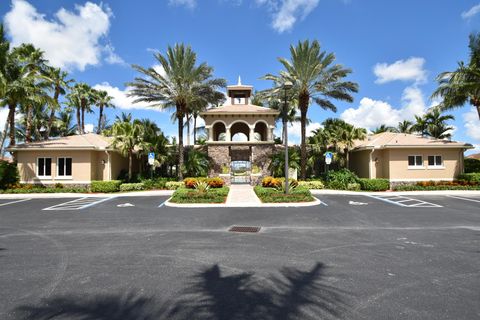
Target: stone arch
x,y
219,128
261,130
240,131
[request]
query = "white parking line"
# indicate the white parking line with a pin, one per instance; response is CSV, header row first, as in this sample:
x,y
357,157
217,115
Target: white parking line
x,y
78,204
401,201
462,198
16,201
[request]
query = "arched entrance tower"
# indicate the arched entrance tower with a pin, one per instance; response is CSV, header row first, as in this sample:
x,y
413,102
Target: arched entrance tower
x,y
240,136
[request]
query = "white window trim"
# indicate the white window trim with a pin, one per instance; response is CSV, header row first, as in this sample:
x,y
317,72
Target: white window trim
x,y
415,167
64,177
43,177
436,167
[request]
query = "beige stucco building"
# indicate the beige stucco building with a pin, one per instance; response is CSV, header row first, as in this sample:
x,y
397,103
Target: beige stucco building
x,y
77,159
402,157
240,132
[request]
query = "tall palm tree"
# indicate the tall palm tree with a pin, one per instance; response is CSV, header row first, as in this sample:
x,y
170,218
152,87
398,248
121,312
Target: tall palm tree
x,y
462,86
63,124
127,138
58,84
102,100
81,97
420,126
405,126
437,124
316,80
182,85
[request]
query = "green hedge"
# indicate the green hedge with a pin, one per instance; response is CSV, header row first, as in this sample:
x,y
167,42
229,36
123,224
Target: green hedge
x,y
272,195
311,184
106,186
433,188
470,177
132,187
8,174
374,184
213,195
342,179
43,190
472,165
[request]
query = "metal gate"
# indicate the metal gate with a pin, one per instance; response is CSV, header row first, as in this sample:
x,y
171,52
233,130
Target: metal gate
x,y
240,172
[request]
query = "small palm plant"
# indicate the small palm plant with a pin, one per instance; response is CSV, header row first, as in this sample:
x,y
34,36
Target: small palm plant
x,y
201,187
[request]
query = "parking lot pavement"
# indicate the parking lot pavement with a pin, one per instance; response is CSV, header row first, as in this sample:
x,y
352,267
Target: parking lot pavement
x,y
356,258
6,202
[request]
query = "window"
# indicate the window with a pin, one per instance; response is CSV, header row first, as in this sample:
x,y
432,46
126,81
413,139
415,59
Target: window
x,y
44,167
64,166
435,161
415,161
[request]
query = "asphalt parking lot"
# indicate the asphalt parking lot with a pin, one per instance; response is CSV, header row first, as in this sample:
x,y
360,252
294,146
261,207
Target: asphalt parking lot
x,y
353,257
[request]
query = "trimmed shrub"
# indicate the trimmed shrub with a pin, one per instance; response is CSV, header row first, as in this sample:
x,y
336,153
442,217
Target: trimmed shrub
x,y
413,187
212,195
472,165
39,189
8,174
105,186
374,184
215,182
473,178
353,186
270,182
174,185
312,184
340,179
298,194
132,187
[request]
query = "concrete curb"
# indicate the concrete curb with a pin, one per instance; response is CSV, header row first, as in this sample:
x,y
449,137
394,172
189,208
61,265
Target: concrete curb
x,y
316,202
160,193
395,193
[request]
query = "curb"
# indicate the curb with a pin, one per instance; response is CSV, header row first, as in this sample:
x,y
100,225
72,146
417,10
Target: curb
x,y
394,193
159,193
316,202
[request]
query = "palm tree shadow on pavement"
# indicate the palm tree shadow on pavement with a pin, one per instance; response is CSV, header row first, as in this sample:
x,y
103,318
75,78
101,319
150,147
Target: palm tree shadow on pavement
x,y
289,294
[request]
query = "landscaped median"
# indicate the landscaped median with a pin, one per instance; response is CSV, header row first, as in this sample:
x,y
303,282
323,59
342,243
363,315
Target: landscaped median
x,y
201,190
272,190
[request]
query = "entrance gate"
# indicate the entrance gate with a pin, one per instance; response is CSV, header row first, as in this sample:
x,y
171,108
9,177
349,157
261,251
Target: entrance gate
x,y
240,172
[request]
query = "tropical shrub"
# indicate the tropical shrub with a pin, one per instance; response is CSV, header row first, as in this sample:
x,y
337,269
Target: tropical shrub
x,y
271,182
215,182
353,186
416,187
374,184
472,165
185,195
8,174
42,189
470,177
271,195
106,186
174,185
156,183
132,187
201,186
312,184
340,179
196,164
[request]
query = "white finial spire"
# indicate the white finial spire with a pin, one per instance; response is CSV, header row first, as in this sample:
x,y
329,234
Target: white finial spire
x,y
239,81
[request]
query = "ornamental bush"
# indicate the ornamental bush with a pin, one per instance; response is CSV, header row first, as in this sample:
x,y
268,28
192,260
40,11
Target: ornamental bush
x,y
132,187
374,184
8,174
341,179
473,178
174,185
270,182
312,184
215,182
472,165
106,186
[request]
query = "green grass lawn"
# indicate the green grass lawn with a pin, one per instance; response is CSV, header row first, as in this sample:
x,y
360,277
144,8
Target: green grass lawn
x,y
213,195
272,195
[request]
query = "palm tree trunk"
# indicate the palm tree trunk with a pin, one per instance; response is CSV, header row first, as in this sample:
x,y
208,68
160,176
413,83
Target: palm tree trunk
x,y
28,129
478,110
4,137
194,129
100,116
188,129
11,123
83,120
52,114
79,121
303,145
130,160
180,146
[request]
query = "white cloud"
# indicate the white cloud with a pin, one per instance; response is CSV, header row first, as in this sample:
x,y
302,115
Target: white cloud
x,y
285,13
373,113
403,70
120,98
473,11
190,4
472,124
295,131
89,128
71,40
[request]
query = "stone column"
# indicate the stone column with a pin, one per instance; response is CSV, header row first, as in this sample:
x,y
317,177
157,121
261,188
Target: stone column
x,y
228,136
209,133
252,134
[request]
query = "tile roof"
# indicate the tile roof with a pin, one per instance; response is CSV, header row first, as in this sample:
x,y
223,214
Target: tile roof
x,y
474,156
84,141
387,140
240,109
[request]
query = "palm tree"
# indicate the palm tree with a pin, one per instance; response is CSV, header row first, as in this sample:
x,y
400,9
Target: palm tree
x,y
384,128
277,166
314,79
63,124
184,84
420,126
102,100
405,126
458,87
436,124
196,164
58,84
127,138
80,98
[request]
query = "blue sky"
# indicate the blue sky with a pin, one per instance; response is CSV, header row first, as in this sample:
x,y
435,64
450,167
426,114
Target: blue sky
x,y
395,48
